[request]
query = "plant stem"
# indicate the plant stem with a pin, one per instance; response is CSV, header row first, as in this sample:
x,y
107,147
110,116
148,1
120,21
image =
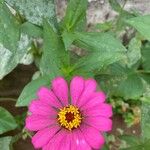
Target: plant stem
x,y
8,99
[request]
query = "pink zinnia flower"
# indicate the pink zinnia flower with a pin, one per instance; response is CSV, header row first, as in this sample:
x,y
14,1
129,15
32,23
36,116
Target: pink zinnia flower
x,y
74,120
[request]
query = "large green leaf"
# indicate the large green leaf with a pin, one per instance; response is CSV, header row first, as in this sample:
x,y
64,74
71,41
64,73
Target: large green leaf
x,y
29,91
142,24
103,48
13,46
9,36
35,10
5,143
9,29
97,60
75,15
54,55
7,121
94,41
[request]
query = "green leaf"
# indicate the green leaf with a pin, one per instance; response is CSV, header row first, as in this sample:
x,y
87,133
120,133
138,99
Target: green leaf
x,y
29,91
134,52
5,143
13,46
118,80
9,36
131,140
115,5
141,146
94,41
9,29
68,39
146,57
142,25
146,77
131,87
106,26
1,1
31,30
35,10
103,48
7,121
97,60
54,55
75,15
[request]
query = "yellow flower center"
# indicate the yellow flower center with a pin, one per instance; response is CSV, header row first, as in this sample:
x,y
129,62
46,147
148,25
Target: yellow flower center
x,y
69,117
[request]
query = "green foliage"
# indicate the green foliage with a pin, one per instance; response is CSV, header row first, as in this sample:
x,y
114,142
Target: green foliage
x,y
35,10
121,66
131,87
134,52
9,31
30,90
94,41
75,15
123,15
146,56
137,144
31,30
13,45
115,5
106,26
121,81
7,121
142,24
5,143
146,117
54,55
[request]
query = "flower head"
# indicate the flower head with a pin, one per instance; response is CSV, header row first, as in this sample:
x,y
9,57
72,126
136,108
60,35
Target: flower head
x,y
72,119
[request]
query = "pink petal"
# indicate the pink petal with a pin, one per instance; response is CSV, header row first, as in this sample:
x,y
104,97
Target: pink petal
x,y
60,88
96,99
100,123
78,141
43,136
40,108
92,136
38,122
76,88
90,87
56,141
104,110
65,144
47,96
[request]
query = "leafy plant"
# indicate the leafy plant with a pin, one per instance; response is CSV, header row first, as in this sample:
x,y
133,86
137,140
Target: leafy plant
x,y
30,33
